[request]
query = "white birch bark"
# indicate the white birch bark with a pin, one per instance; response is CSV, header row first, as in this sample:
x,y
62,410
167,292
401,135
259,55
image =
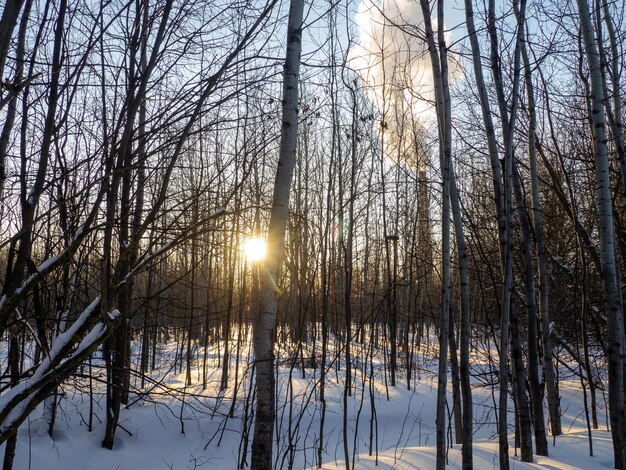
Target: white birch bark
x,y
266,321
612,298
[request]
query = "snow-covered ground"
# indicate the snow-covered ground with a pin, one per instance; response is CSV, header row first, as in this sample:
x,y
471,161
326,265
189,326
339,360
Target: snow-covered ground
x,y
150,436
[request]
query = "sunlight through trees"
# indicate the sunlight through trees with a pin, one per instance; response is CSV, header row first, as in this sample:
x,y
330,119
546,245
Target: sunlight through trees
x,y
312,234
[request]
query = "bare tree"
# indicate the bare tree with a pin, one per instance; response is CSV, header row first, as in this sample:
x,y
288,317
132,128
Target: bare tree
x,y
439,63
266,321
610,269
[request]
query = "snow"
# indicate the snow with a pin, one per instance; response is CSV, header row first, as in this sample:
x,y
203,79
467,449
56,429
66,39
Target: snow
x,y
151,438
113,314
30,280
62,340
44,266
91,338
14,409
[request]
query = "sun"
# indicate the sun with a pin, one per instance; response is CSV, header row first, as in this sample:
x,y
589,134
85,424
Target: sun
x,y
254,249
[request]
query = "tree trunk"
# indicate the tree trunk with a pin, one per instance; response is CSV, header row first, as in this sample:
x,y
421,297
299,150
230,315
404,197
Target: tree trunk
x,y
519,385
544,311
612,297
19,59
614,110
440,75
7,24
508,128
536,398
266,321
466,386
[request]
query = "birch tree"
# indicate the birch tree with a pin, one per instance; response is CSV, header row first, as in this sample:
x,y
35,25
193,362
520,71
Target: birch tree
x,y
610,269
266,321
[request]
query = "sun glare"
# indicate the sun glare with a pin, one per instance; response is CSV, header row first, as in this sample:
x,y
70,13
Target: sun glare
x,y
254,249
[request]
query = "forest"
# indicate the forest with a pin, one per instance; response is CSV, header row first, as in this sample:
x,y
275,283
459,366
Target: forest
x,y
278,234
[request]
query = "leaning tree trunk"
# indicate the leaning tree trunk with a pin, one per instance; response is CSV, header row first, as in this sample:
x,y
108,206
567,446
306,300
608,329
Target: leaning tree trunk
x,y
7,23
15,273
266,321
9,120
30,203
612,298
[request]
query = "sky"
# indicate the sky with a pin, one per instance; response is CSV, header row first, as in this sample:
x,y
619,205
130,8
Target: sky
x,y
392,61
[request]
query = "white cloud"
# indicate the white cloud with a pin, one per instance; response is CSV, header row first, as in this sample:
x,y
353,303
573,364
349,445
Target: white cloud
x,y
389,56
392,60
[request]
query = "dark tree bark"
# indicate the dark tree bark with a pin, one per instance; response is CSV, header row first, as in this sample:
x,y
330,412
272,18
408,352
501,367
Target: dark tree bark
x,y
544,306
439,63
8,21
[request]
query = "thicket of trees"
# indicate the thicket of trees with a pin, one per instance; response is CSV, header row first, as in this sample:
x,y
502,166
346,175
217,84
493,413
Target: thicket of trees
x,y
409,181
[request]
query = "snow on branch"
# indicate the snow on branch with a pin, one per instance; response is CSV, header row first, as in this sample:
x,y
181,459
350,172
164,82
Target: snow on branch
x,y
19,401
